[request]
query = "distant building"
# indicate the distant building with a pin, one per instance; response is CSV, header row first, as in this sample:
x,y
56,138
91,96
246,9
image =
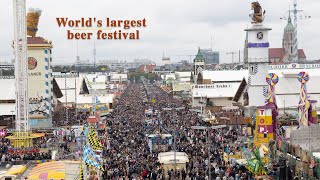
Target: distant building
x,y
143,61
148,68
116,64
278,56
166,60
286,53
211,57
165,69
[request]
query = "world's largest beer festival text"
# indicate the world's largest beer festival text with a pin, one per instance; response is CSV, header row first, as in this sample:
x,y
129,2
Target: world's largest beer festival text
x,y
103,28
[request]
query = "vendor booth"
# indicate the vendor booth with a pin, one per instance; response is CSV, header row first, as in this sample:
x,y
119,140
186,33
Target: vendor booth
x,y
167,160
159,140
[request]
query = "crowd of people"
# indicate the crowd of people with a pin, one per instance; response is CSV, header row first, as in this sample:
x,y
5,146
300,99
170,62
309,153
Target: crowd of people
x,y
129,156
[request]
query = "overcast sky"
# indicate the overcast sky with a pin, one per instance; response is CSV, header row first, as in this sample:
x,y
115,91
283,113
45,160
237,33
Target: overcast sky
x,y
175,27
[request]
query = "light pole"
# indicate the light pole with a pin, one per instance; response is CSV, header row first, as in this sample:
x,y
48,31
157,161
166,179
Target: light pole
x,y
75,96
12,118
174,134
207,140
65,92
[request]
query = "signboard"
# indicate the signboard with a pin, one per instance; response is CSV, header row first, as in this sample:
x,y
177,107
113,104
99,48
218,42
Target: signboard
x,y
264,128
258,45
7,77
72,75
213,86
102,108
294,66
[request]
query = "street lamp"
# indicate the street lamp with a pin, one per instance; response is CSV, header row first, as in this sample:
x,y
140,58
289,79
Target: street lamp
x,y
12,118
65,90
207,140
174,134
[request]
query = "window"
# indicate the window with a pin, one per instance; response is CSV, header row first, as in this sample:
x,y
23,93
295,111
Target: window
x,y
47,83
291,50
46,59
46,51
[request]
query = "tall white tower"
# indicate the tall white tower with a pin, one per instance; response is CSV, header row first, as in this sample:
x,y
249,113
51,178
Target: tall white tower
x,y
21,68
258,58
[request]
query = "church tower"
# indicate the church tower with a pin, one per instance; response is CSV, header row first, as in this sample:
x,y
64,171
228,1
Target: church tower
x,y
199,63
288,41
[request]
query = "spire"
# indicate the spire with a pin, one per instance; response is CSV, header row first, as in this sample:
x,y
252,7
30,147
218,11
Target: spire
x,y
289,27
289,19
199,55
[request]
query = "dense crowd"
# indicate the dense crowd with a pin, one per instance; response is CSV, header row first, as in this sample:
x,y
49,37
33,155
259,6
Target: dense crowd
x,y
130,157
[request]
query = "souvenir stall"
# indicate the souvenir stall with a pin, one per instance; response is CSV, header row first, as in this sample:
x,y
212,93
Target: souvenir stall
x,y
173,160
159,141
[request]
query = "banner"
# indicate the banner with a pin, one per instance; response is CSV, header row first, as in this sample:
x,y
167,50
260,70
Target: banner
x,y
264,127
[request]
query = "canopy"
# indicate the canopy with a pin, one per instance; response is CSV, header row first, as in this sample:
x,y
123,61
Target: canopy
x,y
48,170
168,157
162,135
37,135
16,169
31,136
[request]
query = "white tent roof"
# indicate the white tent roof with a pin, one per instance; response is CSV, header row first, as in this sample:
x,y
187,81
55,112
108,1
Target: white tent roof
x,y
87,99
184,79
70,88
5,109
7,90
117,76
288,83
99,78
227,75
184,74
168,157
170,76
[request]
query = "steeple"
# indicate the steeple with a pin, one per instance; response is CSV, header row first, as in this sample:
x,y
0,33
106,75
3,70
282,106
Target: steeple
x,y
199,56
199,65
289,19
288,40
289,27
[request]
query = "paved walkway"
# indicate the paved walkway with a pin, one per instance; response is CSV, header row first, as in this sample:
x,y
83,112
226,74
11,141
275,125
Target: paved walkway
x,y
72,169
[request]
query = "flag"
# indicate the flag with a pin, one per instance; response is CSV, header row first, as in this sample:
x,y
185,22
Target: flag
x,y
81,173
93,140
90,158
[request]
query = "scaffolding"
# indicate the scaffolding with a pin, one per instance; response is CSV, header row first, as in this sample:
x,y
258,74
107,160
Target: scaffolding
x,y
22,137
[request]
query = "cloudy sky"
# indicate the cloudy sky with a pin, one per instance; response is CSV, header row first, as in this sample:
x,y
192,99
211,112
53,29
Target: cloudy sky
x,y
175,27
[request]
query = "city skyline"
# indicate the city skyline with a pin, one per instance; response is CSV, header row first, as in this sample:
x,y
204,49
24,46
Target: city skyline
x,y
175,28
